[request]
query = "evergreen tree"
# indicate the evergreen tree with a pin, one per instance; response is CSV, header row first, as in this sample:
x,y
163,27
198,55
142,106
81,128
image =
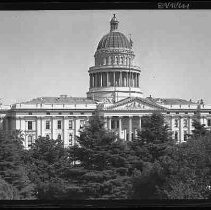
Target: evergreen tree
x,y
187,168
199,129
150,145
153,138
7,191
47,161
103,168
12,168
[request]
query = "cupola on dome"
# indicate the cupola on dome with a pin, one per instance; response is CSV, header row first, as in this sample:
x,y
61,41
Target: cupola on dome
x,y
114,39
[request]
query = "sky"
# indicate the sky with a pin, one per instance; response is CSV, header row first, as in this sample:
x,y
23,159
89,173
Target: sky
x,y
48,53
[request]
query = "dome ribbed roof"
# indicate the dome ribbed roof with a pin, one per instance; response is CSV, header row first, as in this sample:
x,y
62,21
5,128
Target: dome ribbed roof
x,y
114,39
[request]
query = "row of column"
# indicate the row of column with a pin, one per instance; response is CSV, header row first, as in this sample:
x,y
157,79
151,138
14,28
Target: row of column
x,y
130,125
113,60
108,121
118,79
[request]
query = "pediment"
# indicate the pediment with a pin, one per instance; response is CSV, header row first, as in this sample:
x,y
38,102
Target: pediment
x,y
135,104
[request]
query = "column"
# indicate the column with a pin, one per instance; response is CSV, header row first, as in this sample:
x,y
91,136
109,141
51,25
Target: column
x,y
127,79
109,122
114,79
189,125
180,129
75,131
130,128
140,123
138,81
36,130
105,123
90,80
135,79
95,75
120,126
101,79
120,79
93,81
107,76
64,129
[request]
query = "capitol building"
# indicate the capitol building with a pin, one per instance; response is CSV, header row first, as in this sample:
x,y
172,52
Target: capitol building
x,y
114,91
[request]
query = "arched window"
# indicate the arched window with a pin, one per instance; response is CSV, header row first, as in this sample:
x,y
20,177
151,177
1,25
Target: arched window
x,y
104,61
116,60
126,60
122,60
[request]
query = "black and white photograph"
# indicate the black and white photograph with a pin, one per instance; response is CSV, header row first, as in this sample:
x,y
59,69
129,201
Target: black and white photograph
x,y
105,105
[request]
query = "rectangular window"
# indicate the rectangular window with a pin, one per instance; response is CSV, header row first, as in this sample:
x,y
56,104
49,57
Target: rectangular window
x,y
47,125
82,123
185,135
176,123
112,124
29,125
70,124
209,122
176,135
59,137
29,141
70,139
59,124
185,123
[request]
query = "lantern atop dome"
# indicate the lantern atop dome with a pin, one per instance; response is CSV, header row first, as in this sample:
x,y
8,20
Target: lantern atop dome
x,y
114,23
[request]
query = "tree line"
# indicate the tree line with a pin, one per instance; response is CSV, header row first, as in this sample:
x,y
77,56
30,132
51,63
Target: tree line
x,y
102,166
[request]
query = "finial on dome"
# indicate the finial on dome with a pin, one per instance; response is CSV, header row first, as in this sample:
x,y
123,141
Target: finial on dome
x,y
114,23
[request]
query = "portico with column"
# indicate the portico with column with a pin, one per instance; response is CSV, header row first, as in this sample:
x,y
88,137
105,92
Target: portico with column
x,y
124,125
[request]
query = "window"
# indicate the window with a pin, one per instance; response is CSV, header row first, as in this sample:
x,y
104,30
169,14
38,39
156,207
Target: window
x,y
112,124
176,123
29,141
60,113
186,112
209,122
59,124
70,139
82,113
29,125
209,112
81,123
177,112
30,113
70,124
176,135
47,136
185,123
59,137
48,113
168,112
47,125
185,135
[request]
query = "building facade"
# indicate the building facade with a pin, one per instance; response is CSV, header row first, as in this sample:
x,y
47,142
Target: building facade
x,y
114,91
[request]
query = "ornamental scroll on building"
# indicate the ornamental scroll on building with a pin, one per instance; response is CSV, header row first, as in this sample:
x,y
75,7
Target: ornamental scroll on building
x,y
114,90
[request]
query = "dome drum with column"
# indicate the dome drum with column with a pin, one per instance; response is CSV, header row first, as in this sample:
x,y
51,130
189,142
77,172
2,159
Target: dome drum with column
x,y
114,72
